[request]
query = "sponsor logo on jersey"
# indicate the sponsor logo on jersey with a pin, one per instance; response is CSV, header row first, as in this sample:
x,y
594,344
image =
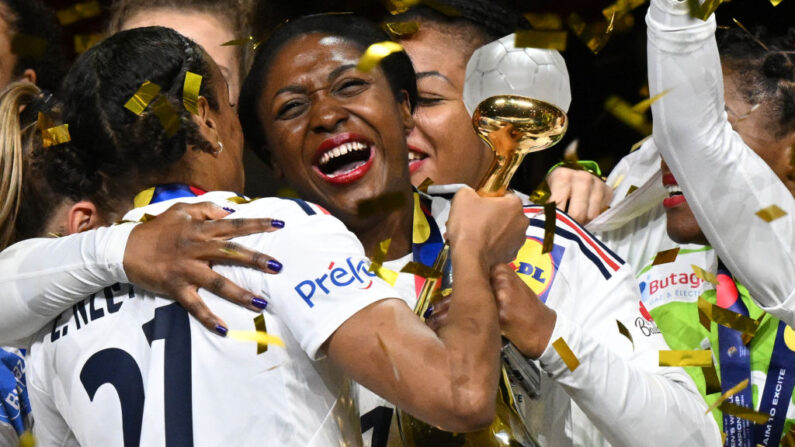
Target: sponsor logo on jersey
x,y
535,269
338,276
658,288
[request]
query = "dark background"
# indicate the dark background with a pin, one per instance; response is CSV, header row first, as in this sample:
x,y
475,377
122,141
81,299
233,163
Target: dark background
x,y
619,69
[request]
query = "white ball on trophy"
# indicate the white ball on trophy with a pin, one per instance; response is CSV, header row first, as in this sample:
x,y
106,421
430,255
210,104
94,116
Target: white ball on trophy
x,y
499,68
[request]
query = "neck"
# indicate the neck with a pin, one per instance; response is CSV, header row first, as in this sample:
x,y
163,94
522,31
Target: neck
x,y
397,225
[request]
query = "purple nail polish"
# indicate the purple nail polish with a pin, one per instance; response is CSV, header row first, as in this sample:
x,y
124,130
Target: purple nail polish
x,y
428,312
221,330
259,303
276,223
275,265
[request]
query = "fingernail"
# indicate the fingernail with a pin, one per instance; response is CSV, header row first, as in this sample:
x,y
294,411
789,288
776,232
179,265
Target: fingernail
x,y
274,265
428,312
221,330
276,223
228,210
259,303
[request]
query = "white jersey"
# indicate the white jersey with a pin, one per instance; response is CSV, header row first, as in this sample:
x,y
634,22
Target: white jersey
x,y
610,396
725,182
125,367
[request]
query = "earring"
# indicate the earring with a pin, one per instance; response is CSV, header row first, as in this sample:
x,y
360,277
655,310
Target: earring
x,y
220,148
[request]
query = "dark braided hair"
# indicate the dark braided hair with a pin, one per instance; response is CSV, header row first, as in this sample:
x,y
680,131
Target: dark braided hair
x,y
113,152
768,75
361,32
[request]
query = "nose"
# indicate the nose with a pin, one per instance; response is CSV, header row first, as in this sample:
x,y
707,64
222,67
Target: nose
x,y
327,115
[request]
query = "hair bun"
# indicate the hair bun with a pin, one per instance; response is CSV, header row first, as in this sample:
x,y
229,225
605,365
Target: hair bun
x,y
778,66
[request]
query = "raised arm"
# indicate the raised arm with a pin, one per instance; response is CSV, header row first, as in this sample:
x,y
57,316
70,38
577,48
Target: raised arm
x,y
448,380
725,182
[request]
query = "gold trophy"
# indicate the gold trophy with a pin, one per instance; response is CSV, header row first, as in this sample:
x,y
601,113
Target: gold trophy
x,y
513,126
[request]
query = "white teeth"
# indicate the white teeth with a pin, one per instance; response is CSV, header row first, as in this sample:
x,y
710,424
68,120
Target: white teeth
x,y
673,189
342,150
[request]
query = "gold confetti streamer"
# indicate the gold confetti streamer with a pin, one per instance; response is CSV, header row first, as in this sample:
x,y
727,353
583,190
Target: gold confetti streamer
x,y
147,218
789,439
375,53
402,29
241,42
621,8
711,379
723,438
625,332
190,92
24,45
55,135
771,213
545,20
637,145
54,235
400,6
644,105
421,270
666,256
382,272
775,3
425,184
705,275
260,337
594,35
239,200
731,392
78,11
726,317
141,99
632,188
703,12
167,115
85,41
623,111
550,216
27,439
259,325
564,351
744,413
699,357
553,40
381,204
756,39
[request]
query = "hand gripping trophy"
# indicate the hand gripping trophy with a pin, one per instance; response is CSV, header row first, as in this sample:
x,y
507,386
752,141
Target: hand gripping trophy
x,y
518,98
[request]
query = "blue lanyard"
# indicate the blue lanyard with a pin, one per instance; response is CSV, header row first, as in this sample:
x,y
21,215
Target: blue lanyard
x,y
779,384
169,191
427,241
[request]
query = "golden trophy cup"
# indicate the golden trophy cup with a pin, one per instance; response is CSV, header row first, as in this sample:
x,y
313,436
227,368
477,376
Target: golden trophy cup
x,y
513,125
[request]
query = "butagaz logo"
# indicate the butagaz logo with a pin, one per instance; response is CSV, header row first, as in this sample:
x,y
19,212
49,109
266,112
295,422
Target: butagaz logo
x,y
675,279
344,275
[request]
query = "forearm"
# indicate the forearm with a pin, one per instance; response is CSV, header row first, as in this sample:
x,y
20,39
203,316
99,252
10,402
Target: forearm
x,y
724,181
616,393
40,278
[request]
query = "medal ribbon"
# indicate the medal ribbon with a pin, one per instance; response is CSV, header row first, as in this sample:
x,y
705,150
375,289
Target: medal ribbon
x,y
735,362
427,241
169,191
779,384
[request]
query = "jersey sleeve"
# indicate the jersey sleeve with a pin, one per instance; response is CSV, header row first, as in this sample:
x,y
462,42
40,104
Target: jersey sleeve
x,y
618,379
42,277
325,277
694,136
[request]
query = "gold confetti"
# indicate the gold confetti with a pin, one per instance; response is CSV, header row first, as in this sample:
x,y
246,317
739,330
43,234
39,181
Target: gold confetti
x,y
229,251
55,135
425,184
24,45
54,235
666,256
375,53
703,12
637,145
723,438
27,439
545,21
85,41
621,7
699,357
78,11
623,111
775,3
632,188
711,379
771,213
190,92
141,99
594,35
447,10
240,200
625,332
240,42
259,325
147,218
564,351
789,439
376,266
550,216
400,6
167,115
731,392
726,317
421,270
744,413
260,337
553,40
618,181
705,275
756,39
402,29
381,204
644,105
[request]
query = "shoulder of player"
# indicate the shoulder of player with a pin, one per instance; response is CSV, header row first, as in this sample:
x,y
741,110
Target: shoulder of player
x,y
574,237
279,208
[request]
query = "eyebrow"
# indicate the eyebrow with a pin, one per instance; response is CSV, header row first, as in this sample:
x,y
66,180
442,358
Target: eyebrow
x,y
331,76
425,74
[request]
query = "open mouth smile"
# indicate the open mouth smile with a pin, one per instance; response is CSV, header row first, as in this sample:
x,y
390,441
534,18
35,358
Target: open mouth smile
x,y
344,158
416,158
675,196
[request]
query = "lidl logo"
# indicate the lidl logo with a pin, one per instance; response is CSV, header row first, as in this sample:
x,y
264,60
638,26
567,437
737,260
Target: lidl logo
x,y
535,269
343,275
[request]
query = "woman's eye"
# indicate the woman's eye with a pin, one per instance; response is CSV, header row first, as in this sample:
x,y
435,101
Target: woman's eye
x,y
289,110
351,86
428,101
